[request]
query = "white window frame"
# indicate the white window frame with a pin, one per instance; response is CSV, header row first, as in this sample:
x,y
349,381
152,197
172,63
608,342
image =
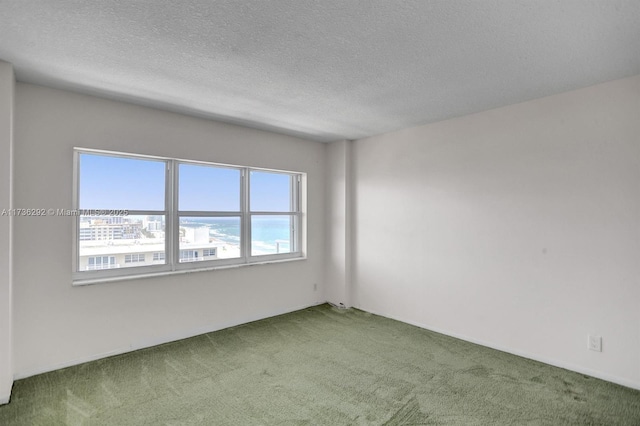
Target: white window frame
x,y
201,262
172,215
294,213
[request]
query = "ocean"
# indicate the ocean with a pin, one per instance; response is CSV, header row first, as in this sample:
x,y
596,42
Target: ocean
x,y
269,234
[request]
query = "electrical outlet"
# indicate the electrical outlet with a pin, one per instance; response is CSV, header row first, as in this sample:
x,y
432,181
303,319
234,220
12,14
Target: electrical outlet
x,y
594,343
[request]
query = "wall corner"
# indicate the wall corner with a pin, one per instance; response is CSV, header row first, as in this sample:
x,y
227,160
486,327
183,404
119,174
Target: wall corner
x,y
7,107
337,281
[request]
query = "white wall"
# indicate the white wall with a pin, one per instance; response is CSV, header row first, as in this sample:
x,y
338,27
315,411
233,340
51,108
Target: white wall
x,y
7,83
57,324
338,235
518,228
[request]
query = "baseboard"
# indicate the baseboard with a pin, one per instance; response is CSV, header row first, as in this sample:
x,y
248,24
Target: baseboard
x,y
4,398
553,362
143,344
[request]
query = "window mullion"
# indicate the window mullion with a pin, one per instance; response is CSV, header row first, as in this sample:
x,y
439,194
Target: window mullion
x,y
294,234
245,228
173,249
297,220
144,257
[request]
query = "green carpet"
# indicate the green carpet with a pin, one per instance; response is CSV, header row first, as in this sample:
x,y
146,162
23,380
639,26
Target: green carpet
x,y
319,366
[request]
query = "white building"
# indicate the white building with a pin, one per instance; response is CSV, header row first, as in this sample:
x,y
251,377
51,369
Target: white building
x,y
141,252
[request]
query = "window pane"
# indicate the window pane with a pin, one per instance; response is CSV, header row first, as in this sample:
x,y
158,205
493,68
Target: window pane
x,y
209,238
111,242
121,183
270,192
271,234
208,188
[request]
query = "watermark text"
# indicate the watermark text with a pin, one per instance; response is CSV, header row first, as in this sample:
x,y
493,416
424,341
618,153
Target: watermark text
x,y
63,212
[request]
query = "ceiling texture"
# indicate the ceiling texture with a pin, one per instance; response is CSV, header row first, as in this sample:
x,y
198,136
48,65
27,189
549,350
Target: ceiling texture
x,y
321,69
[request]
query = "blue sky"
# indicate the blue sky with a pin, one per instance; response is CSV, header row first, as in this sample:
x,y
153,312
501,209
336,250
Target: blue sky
x,y
135,184
208,188
121,183
270,191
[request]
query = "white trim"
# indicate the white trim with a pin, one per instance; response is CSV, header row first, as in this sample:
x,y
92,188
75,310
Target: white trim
x,y
172,222
143,344
203,330
245,221
90,281
75,195
549,361
173,215
181,160
349,228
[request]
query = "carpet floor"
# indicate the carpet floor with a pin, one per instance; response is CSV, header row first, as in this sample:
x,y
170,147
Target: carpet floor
x,y
319,366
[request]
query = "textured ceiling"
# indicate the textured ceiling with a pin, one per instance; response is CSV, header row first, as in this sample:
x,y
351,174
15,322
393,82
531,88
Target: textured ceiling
x,y
324,69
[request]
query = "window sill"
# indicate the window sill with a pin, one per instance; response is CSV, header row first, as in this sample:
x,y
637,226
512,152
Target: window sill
x,y
90,281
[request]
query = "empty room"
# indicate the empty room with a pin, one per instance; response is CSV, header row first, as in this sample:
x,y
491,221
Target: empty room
x,y
338,212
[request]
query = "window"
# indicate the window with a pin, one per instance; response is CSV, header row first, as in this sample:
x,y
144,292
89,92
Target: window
x,y
145,215
209,252
131,258
209,210
189,255
104,194
274,206
101,262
